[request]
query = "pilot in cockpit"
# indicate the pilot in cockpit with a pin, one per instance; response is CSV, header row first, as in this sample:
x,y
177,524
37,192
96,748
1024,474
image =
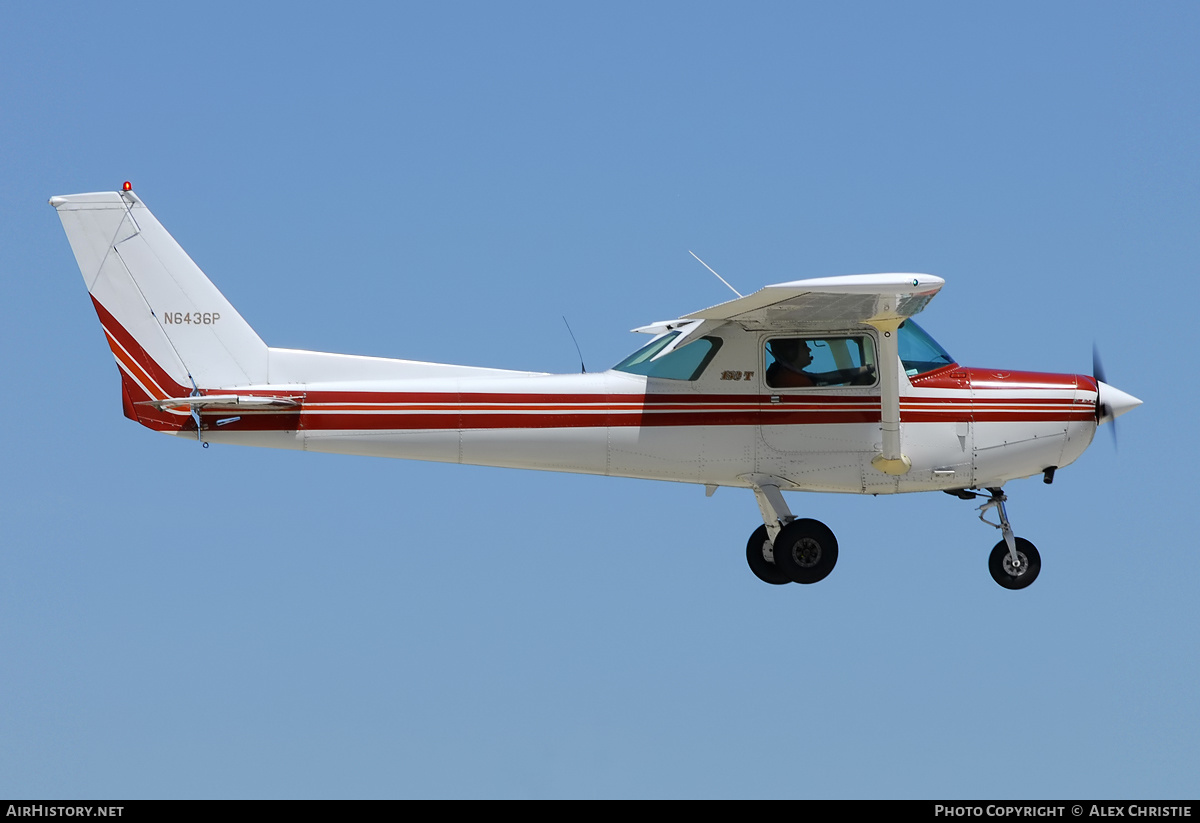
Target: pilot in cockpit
x,y
792,356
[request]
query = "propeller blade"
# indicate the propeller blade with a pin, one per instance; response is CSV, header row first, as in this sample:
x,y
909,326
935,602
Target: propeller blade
x,y
1097,366
1110,402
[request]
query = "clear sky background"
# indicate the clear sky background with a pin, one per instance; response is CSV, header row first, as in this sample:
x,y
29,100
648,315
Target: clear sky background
x,y
445,182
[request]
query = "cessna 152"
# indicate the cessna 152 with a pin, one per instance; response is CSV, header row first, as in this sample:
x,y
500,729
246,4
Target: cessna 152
x,y
821,385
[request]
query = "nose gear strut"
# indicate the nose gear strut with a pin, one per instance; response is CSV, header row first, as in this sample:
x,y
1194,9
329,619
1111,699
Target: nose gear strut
x,y
1014,561
997,502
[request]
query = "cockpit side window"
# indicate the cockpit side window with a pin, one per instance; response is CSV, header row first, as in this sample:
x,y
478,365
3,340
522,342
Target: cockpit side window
x,y
684,363
806,362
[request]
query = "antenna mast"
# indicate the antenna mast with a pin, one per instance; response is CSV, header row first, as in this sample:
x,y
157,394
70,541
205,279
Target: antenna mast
x,y
714,271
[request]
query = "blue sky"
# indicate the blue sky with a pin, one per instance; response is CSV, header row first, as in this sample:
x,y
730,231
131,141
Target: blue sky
x,y
445,182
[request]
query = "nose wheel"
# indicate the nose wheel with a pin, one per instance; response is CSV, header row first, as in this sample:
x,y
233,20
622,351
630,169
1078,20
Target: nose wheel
x,y
1019,574
1014,561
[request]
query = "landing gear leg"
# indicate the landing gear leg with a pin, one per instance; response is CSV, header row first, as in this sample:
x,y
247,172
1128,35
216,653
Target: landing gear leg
x,y
1014,561
760,554
787,550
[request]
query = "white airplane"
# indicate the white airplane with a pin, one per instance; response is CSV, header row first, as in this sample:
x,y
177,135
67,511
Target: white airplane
x,y
822,385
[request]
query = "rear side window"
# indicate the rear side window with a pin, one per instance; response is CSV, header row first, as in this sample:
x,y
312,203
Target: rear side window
x,y
686,363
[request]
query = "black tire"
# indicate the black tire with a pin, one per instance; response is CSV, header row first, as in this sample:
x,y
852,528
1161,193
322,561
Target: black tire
x,y
806,551
764,569
1000,564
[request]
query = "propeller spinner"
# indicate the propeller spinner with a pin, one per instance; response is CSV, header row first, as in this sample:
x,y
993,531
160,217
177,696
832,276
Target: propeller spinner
x,y
1111,402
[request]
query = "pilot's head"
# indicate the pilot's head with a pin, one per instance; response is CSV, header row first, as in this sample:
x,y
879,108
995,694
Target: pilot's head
x,y
792,350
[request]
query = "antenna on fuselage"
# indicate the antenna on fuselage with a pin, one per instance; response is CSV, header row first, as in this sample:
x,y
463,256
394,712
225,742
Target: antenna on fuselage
x,y
714,271
582,370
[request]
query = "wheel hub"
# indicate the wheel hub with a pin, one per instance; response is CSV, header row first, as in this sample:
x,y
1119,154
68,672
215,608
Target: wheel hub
x,y
806,552
1016,569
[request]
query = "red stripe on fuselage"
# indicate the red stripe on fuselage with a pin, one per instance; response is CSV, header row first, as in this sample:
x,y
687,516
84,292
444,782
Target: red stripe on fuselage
x,y
398,411
144,379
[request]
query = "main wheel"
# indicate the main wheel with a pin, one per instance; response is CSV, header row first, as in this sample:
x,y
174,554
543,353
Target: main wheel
x,y
1015,577
806,551
756,555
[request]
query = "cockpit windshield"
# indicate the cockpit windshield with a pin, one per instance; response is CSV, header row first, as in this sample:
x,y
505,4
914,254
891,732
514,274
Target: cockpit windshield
x,y
684,363
919,352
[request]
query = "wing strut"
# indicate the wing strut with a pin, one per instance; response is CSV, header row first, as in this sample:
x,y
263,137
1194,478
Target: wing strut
x,y
891,460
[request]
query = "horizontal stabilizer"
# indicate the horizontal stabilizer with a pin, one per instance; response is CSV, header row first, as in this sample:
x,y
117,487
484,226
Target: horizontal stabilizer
x,y
222,401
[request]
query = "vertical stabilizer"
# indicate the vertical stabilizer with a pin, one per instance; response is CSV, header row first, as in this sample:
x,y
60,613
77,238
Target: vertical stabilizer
x,y
165,320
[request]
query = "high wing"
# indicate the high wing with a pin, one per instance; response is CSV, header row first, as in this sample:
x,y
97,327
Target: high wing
x,y
882,301
825,302
812,305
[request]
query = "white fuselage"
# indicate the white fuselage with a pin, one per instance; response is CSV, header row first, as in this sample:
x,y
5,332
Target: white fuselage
x,y
961,428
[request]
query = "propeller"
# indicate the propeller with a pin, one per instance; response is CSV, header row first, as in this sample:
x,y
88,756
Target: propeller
x,y
1111,402
1103,411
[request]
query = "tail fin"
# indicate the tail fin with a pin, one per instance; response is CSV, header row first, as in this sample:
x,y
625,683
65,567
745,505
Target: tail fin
x,y
168,326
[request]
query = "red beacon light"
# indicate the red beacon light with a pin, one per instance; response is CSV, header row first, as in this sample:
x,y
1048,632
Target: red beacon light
x,y
127,187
